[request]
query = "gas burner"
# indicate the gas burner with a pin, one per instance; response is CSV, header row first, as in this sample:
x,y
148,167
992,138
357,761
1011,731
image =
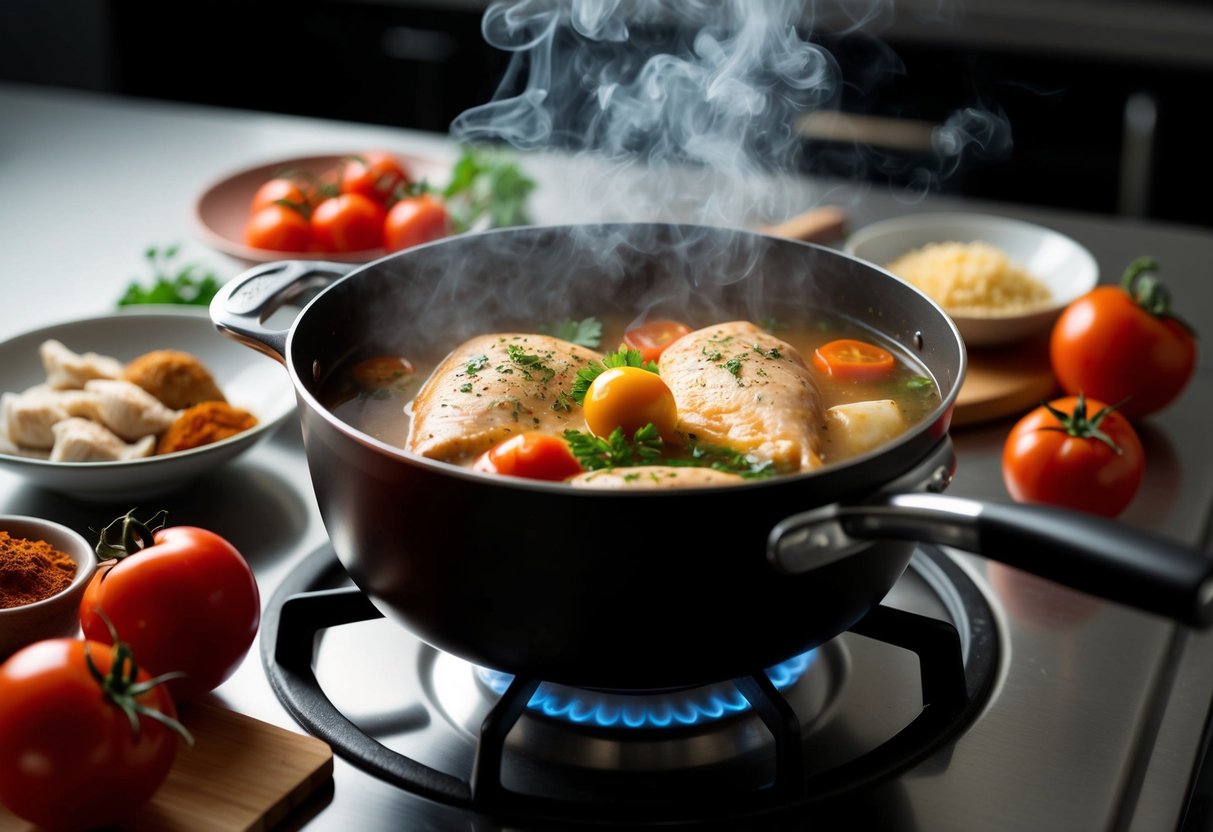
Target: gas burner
x,y
664,711
518,749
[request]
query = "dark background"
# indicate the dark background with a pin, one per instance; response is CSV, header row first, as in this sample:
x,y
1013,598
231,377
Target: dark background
x,y
1065,84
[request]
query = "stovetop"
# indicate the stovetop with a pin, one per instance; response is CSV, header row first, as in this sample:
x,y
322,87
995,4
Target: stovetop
x,y
1061,695
809,736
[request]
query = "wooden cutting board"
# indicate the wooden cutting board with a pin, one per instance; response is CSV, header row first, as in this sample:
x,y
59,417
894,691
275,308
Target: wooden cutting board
x,y
1004,381
242,774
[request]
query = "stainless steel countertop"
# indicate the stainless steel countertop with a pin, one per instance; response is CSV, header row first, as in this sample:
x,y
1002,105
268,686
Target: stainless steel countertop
x,y
90,181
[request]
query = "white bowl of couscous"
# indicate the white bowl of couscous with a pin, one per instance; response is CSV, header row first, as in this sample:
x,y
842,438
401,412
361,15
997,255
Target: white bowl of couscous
x,y
1001,279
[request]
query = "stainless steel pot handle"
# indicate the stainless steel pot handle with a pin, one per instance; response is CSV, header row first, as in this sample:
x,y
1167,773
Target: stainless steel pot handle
x,y
1092,554
241,306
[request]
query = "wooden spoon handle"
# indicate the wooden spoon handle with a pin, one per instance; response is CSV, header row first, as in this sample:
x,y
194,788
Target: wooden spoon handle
x,y
823,224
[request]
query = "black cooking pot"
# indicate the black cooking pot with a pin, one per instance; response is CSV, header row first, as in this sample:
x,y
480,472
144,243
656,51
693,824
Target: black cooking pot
x,y
648,589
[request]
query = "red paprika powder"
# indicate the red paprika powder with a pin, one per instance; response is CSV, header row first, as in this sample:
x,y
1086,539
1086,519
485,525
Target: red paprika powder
x,y
31,570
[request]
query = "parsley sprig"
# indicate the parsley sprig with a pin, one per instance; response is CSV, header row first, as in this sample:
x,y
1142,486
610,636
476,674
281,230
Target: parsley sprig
x,y
619,358
586,333
646,447
487,185
615,451
191,284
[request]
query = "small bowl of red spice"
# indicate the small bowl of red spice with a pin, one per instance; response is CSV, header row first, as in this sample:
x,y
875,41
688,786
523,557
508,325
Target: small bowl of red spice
x,y
44,570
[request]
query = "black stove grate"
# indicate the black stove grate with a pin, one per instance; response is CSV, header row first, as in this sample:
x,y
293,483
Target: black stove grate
x,y
952,690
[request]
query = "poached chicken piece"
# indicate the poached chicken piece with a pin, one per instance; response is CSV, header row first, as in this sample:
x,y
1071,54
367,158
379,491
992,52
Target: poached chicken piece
x,y
492,387
654,476
739,387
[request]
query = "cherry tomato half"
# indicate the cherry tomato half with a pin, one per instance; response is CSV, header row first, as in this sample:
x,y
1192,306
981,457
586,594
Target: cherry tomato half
x,y
1121,344
848,358
184,599
629,398
652,337
1089,458
69,756
375,174
348,222
415,220
536,456
278,228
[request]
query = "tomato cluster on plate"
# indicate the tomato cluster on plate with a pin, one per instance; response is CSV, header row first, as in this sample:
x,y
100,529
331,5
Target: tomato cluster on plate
x,y
366,201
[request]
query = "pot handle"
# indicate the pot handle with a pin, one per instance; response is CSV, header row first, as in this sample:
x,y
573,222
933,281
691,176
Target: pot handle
x,y
241,307
1091,554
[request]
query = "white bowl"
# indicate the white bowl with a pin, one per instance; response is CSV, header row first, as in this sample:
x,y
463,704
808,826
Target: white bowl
x,y
59,615
248,380
1066,267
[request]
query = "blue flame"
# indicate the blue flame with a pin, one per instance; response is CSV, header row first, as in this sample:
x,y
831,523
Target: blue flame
x,y
663,710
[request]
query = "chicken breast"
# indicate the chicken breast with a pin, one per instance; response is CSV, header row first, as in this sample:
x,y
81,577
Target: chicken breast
x,y
492,387
742,388
127,409
654,476
29,418
66,369
83,440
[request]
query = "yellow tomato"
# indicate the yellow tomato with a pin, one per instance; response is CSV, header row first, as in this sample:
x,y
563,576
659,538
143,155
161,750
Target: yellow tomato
x,y
629,398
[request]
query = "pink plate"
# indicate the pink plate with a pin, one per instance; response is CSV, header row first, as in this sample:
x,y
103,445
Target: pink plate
x,y
222,209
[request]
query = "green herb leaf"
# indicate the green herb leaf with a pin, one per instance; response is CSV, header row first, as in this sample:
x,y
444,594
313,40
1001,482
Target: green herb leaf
x,y
487,185
616,451
587,332
191,284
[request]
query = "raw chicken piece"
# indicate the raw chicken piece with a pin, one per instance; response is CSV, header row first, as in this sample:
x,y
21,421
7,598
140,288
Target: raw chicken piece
x,y
858,427
29,417
66,369
739,387
654,476
127,409
83,440
492,387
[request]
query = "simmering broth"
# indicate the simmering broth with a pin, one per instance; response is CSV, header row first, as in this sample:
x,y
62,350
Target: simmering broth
x,y
371,391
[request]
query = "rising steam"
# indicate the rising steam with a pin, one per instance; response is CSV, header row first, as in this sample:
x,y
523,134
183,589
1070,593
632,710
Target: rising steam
x,y
688,122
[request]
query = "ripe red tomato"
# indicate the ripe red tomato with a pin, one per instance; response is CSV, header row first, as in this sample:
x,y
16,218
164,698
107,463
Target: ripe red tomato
x,y
536,456
1121,344
374,174
1077,453
183,597
652,337
69,757
348,222
415,220
278,228
848,358
279,188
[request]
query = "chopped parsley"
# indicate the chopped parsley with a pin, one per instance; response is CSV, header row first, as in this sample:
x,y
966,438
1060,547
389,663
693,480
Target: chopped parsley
x,y
528,362
477,364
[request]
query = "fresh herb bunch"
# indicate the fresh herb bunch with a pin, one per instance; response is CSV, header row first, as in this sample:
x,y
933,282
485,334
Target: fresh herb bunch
x,y
616,451
646,447
191,284
487,185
